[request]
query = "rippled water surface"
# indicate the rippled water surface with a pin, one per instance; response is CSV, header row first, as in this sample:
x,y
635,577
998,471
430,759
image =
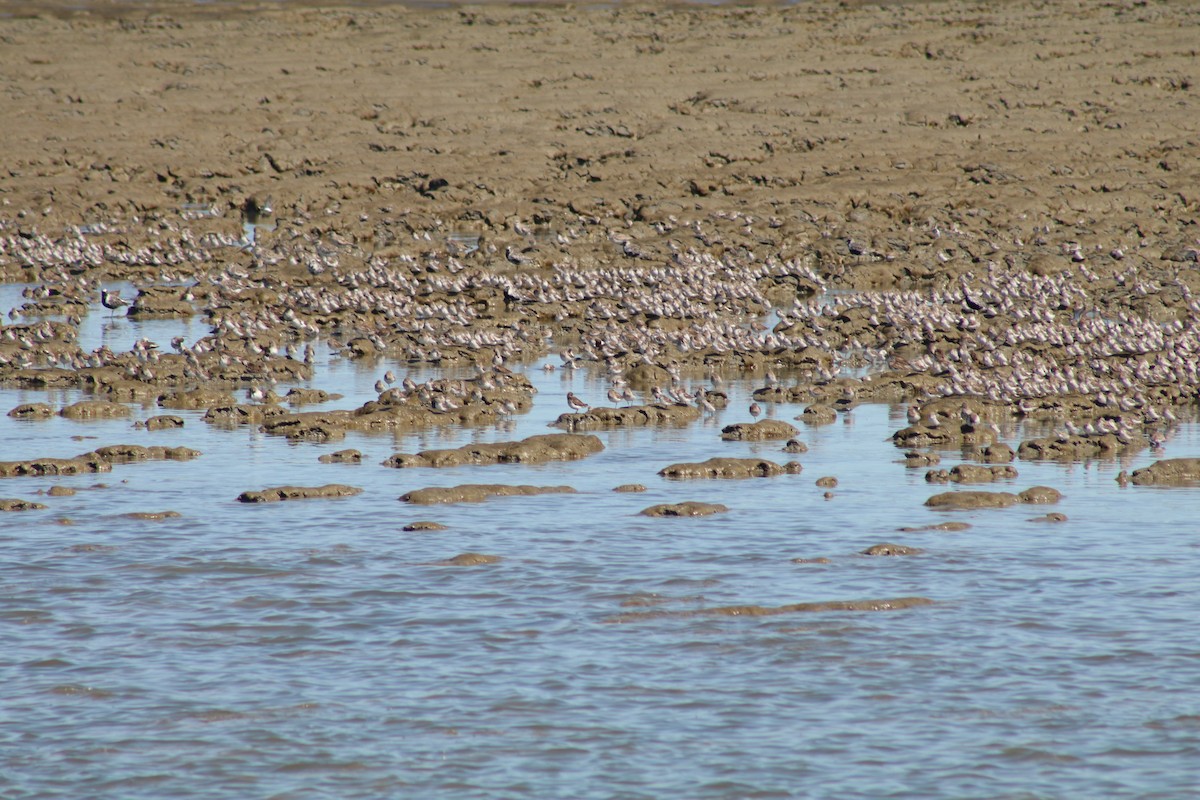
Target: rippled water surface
x,y
314,649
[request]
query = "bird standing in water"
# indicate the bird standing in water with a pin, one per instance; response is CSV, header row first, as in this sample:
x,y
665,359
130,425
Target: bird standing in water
x,y
575,403
755,410
112,300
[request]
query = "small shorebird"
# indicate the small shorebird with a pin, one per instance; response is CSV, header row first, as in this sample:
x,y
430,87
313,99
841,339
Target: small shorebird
x,y
575,403
253,210
112,300
755,410
847,401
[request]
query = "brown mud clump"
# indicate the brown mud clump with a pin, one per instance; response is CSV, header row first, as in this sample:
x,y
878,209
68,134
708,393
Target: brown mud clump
x,y
423,526
152,516
469,560
970,473
304,397
818,414
968,500
629,488
94,409
1040,495
1168,472
1078,447
534,450
88,462
32,411
476,493
14,504
279,493
675,414
163,422
350,456
129,453
690,508
889,549
730,468
763,430
978,499
914,459
998,453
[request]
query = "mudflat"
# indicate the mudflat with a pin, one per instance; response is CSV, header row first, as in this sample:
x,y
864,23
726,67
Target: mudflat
x,y
550,129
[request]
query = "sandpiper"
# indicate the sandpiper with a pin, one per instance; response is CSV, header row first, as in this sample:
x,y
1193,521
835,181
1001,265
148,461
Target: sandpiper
x,y
575,403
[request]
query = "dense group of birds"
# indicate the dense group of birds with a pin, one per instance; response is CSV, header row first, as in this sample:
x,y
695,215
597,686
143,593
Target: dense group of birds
x,y
1099,343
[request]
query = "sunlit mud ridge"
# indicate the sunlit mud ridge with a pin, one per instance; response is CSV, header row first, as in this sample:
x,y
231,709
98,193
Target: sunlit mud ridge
x,y
277,494
533,450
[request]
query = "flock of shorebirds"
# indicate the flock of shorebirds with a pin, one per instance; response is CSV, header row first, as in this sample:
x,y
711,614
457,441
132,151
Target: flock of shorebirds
x,y
1116,335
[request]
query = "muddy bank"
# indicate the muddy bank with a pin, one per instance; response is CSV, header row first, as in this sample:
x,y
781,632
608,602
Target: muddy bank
x,y
628,416
690,508
762,430
533,450
977,499
16,504
476,493
280,493
730,468
1168,472
98,460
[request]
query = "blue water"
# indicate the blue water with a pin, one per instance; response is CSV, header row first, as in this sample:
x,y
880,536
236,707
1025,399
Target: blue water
x,y
313,649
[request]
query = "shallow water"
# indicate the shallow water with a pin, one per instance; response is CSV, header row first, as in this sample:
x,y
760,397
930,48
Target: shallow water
x,y
313,649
